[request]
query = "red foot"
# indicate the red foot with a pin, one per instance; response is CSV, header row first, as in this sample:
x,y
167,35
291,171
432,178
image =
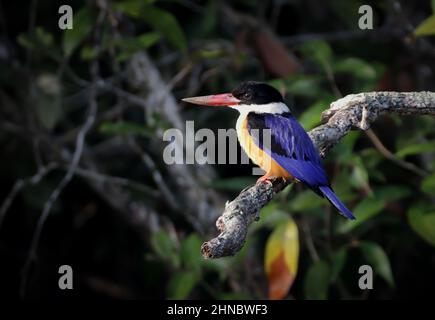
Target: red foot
x,y
264,179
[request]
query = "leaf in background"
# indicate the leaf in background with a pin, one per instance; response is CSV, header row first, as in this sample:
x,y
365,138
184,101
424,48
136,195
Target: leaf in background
x,y
190,253
422,223
356,67
40,41
347,12
271,220
88,53
168,26
426,28
365,210
317,50
84,20
181,284
48,102
300,85
132,8
281,259
304,87
124,128
428,185
359,177
311,117
276,59
344,150
392,192
378,260
337,263
161,20
48,110
416,148
306,200
317,281
130,46
165,247
43,36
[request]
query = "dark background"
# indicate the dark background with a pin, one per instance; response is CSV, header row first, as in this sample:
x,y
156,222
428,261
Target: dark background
x,y
125,235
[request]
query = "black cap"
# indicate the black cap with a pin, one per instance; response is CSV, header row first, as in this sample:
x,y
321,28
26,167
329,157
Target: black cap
x,y
252,92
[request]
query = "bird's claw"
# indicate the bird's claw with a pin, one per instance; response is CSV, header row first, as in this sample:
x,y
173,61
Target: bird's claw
x,y
264,179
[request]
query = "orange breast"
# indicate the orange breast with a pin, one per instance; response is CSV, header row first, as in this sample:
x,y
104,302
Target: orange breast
x,y
258,156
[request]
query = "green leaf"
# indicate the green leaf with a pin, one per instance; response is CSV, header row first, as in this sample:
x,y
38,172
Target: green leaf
x,y
37,40
88,53
44,37
84,19
190,253
426,28
356,67
161,20
317,281
365,210
378,260
317,50
164,247
311,117
306,200
345,147
132,8
124,128
130,46
305,87
338,261
422,223
270,219
181,284
48,110
168,26
392,192
416,148
428,185
359,177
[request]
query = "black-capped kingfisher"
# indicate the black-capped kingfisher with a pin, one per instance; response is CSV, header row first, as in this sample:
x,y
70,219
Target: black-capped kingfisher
x,y
291,154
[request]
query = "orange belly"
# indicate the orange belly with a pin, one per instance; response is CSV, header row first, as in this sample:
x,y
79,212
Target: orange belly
x,y
258,156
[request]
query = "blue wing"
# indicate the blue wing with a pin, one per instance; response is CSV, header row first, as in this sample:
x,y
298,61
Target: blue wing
x,y
292,149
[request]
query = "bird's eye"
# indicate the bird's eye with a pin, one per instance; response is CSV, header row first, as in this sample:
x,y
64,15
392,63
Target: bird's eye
x,y
246,95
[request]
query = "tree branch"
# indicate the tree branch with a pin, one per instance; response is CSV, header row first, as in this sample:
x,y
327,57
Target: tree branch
x,y
355,111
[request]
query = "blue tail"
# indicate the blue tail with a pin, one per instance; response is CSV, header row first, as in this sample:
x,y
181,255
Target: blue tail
x,y
332,197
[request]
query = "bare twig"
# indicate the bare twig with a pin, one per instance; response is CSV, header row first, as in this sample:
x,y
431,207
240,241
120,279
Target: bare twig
x,y
202,204
390,156
309,240
355,111
80,142
20,184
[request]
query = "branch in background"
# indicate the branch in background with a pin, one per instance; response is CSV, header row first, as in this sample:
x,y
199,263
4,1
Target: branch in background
x,y
355,111
203,205
74,164
20,184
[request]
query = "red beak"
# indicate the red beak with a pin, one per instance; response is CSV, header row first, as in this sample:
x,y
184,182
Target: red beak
x,y
224,99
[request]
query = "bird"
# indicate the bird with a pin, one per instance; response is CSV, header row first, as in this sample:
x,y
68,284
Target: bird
x,y
291,154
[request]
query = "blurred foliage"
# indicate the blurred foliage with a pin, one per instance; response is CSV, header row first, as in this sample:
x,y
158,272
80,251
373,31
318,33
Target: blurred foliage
x,y
309,50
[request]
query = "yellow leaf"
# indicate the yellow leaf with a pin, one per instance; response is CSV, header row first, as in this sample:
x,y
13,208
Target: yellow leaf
x,y
281,259
426,28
